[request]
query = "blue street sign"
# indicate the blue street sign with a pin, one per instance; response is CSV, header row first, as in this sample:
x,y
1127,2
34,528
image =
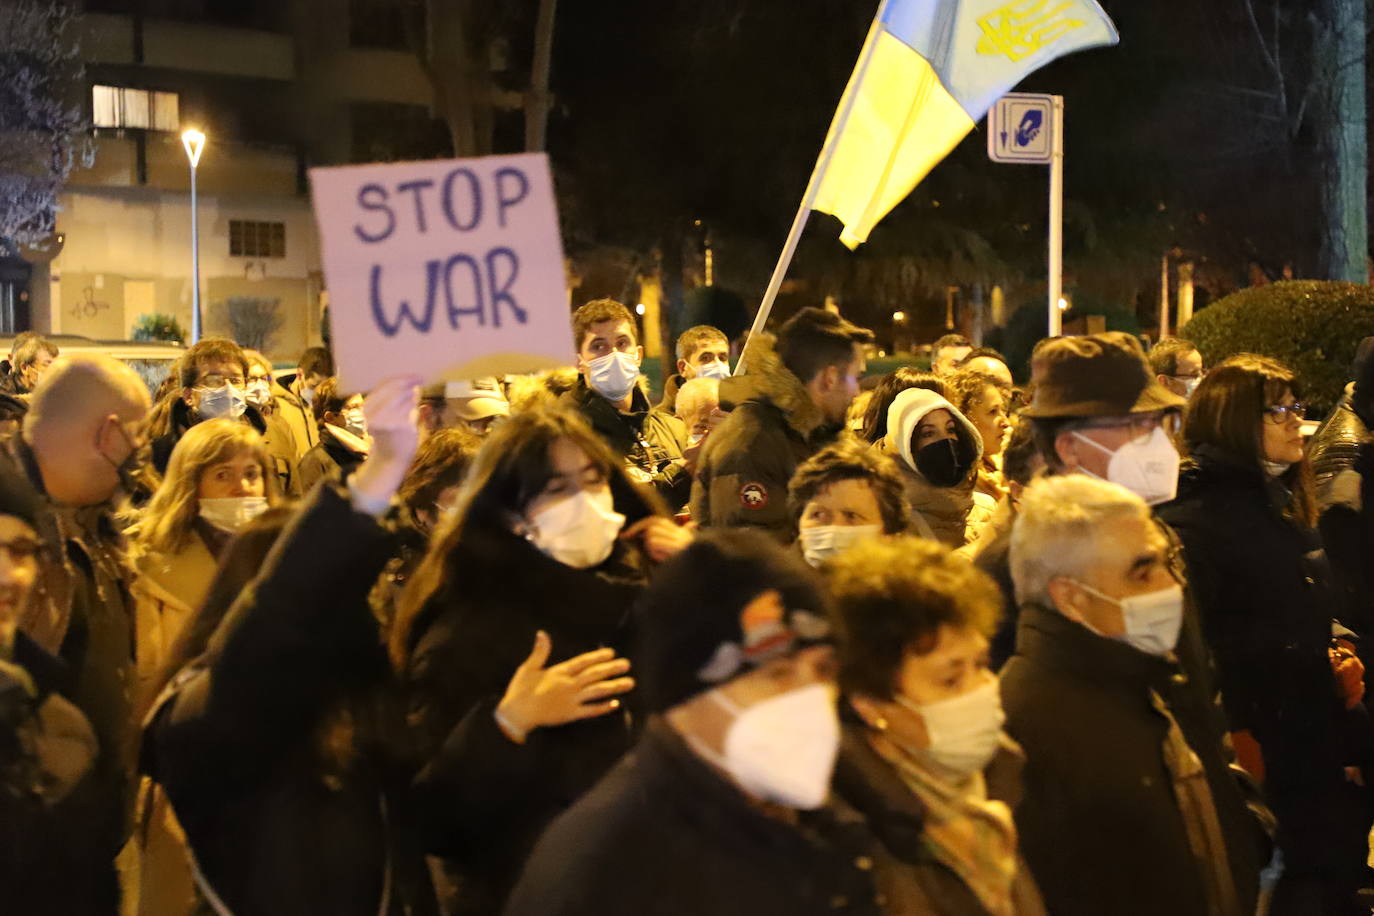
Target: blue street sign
x,y
1021,129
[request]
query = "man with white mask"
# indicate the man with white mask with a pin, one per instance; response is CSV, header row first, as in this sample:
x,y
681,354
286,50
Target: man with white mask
x,y
1129,807
712,810
650,440
1098,411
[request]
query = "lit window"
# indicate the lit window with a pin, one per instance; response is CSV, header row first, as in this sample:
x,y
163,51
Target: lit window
x,y
249,239
115,106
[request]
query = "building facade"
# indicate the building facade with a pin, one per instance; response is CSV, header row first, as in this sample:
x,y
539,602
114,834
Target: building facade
x,y
277,87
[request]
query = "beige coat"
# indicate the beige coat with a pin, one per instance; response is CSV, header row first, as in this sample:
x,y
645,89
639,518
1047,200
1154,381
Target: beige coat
x,y
167,590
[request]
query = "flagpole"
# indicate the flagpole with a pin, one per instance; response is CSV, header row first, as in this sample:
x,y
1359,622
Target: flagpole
x,y
813,186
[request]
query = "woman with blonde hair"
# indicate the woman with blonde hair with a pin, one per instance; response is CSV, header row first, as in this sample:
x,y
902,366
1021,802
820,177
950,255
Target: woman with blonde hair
x,y
217,480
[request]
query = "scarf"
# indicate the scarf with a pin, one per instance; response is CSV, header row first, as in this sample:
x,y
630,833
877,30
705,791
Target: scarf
x,y
970,834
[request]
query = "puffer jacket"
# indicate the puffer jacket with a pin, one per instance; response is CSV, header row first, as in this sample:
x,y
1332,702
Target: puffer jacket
x,y
1333,448
746,463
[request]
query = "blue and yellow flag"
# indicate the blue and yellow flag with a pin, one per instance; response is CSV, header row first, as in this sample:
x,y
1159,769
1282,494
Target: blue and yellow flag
x,y
930,72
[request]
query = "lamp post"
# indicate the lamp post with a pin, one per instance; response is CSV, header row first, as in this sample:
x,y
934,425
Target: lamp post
x,y
194,141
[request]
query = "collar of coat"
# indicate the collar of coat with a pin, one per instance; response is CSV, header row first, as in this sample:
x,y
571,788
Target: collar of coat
x,y
1211,470
1045,636
769,381
605,417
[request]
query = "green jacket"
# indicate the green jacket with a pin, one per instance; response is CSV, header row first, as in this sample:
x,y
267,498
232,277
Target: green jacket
x,y
747,462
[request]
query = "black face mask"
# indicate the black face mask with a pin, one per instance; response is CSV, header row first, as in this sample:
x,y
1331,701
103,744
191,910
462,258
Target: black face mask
x,y
940,463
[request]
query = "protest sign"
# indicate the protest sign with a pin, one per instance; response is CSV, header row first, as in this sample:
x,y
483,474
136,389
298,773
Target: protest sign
x,y
448,269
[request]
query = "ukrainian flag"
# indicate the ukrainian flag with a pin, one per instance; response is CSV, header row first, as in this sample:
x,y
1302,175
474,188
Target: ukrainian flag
x,y
929,72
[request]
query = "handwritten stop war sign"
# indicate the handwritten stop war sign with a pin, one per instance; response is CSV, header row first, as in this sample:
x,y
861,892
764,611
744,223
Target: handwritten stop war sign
x,y
448,269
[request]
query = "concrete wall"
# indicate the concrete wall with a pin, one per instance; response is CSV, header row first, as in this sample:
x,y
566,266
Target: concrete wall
x,y
128,253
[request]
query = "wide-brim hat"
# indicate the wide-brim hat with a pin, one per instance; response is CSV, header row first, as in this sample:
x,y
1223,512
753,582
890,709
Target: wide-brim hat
x,y
1097,375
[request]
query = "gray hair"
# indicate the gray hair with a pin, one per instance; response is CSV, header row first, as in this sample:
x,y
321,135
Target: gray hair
x,y
1057,529
697,396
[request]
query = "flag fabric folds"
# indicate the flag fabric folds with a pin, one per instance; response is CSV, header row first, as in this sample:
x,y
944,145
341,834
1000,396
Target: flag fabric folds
x,y
930,72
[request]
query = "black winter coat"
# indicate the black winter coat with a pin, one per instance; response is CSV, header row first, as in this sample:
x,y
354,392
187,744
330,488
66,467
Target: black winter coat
x,y
276,824
664,835
483,798
47,749
1267,602
1099,821
649,439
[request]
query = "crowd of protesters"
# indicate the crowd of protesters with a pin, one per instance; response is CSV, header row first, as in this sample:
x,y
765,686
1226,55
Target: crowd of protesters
x,y
783,643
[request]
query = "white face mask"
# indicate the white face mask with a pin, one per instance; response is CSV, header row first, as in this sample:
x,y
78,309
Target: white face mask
x,y
1276,468
965,731
1146,467
783,749
232,512
219,403
716,370
820,544
1152,620
355,423
613,376
258,392
1190,385
578,531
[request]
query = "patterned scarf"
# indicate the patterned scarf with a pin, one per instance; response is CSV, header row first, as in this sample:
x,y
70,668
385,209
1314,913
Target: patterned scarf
x,y
965,831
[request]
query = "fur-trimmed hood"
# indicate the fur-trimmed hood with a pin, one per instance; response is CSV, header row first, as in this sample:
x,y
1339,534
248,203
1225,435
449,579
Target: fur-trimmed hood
x,y
769,380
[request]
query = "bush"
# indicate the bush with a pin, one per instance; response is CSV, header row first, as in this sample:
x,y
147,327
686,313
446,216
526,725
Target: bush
x,y
158,327
1311,326
1029,324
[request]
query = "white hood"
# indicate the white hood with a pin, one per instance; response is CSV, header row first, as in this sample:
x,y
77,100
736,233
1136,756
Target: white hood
x,y
907,411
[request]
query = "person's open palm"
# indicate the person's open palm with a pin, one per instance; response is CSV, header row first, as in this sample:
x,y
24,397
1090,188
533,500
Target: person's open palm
x,y
582,687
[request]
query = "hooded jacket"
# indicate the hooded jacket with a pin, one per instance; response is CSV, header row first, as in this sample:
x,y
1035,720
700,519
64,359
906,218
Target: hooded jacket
x,y
747,461
951,515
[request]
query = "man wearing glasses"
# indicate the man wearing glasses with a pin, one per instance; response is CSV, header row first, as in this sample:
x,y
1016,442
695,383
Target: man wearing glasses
x,y
214,380
1097,410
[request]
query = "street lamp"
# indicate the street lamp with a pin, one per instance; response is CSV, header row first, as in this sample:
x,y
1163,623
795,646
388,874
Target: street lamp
x,y
194,141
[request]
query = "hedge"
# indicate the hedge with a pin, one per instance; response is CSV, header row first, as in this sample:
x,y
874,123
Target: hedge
x,y
1311,326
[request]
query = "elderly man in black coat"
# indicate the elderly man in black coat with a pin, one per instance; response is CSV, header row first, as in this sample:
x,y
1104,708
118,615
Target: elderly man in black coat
x,y
1130,806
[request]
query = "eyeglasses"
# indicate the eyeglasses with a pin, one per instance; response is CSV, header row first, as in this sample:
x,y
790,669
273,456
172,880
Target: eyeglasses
x,y
1141,427
215,380
1278,414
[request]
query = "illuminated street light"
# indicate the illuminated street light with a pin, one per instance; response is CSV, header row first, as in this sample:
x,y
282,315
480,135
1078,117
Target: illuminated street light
x,y
194,141
899,317
1063,305
640,309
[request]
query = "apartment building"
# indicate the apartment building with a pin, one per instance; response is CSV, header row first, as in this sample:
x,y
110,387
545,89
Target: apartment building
x,y
277,87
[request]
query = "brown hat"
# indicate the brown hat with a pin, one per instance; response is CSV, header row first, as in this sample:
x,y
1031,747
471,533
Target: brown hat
x,y
1099,375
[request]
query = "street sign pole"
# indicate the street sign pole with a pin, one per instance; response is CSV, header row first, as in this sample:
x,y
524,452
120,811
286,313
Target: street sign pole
x,y
1056,254
1018,134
